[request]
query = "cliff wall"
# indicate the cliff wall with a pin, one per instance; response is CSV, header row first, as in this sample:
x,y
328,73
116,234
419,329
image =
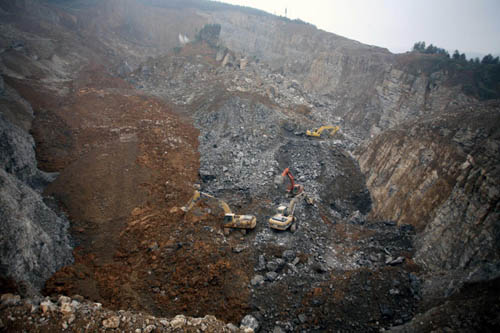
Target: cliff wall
x,y
367,86
441,175
34,238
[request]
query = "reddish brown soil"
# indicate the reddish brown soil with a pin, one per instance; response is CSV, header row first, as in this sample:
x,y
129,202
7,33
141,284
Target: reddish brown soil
x,y
125,160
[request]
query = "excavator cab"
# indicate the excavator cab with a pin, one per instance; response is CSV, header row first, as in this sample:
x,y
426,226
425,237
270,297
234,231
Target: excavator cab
x,y
282,210
228,218
296,190
317,133
284,219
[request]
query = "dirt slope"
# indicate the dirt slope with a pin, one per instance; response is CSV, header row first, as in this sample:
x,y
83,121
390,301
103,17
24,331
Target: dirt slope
x,y
125,160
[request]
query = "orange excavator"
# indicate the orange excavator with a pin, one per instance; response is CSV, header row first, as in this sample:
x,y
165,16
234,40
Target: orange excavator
x,y
293,189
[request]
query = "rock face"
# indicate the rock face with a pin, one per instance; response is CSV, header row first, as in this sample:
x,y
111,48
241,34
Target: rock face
x,y
34,239
368,87
441,175
17,155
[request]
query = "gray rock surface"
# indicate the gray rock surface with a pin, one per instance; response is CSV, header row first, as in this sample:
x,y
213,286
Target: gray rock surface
x,y
257,280
17,155
446,184
2,85
34,239
271,276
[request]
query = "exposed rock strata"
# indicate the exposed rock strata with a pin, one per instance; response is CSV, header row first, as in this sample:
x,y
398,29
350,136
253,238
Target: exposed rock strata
x,y
34,239
370,88
441,175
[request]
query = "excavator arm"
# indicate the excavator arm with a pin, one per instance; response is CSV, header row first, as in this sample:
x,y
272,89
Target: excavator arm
x,y
231,220
293,189
317,133
194,199
284,218
224,206
291,207
197,196
287,173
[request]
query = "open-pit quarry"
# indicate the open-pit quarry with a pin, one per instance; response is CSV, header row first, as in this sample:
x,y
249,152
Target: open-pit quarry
x,y
108,125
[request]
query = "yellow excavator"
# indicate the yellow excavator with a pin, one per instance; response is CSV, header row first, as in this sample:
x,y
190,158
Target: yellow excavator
x,y
284,218
231,220
317,132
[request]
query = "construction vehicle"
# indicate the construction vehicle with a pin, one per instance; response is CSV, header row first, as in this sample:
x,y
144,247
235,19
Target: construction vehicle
x,y
284,218
293,189
317,132
231,220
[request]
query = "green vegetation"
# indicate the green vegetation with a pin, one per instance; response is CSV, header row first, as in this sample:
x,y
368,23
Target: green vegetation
x,y
479,78
431,49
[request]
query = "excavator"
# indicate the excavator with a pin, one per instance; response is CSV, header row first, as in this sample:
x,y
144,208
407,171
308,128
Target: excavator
x,y
284,218
317,132
243,222
293,189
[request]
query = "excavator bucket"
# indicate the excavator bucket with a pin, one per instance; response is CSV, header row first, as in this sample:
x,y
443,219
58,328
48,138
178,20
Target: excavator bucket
x,y
279,180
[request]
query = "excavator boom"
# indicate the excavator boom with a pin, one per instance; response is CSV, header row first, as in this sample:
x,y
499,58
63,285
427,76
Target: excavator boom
x,y
230,220
293,203
293,189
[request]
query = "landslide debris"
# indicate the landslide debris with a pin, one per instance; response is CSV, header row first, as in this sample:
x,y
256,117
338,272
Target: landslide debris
x,y
200,76
127,160
246,139
128,166
60,313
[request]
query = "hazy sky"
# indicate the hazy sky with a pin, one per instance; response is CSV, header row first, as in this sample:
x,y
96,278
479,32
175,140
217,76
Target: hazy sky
x,y
471,26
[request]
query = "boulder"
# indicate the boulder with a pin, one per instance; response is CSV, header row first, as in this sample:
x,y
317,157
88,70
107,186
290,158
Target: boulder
x,y
257,280
10,299
178,322
250,322
275,265
111,322
271,276
288,255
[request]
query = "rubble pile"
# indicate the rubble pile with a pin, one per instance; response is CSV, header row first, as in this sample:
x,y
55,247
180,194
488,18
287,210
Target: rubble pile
x,y
209,75
370,251
61,313
247,138
237,145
